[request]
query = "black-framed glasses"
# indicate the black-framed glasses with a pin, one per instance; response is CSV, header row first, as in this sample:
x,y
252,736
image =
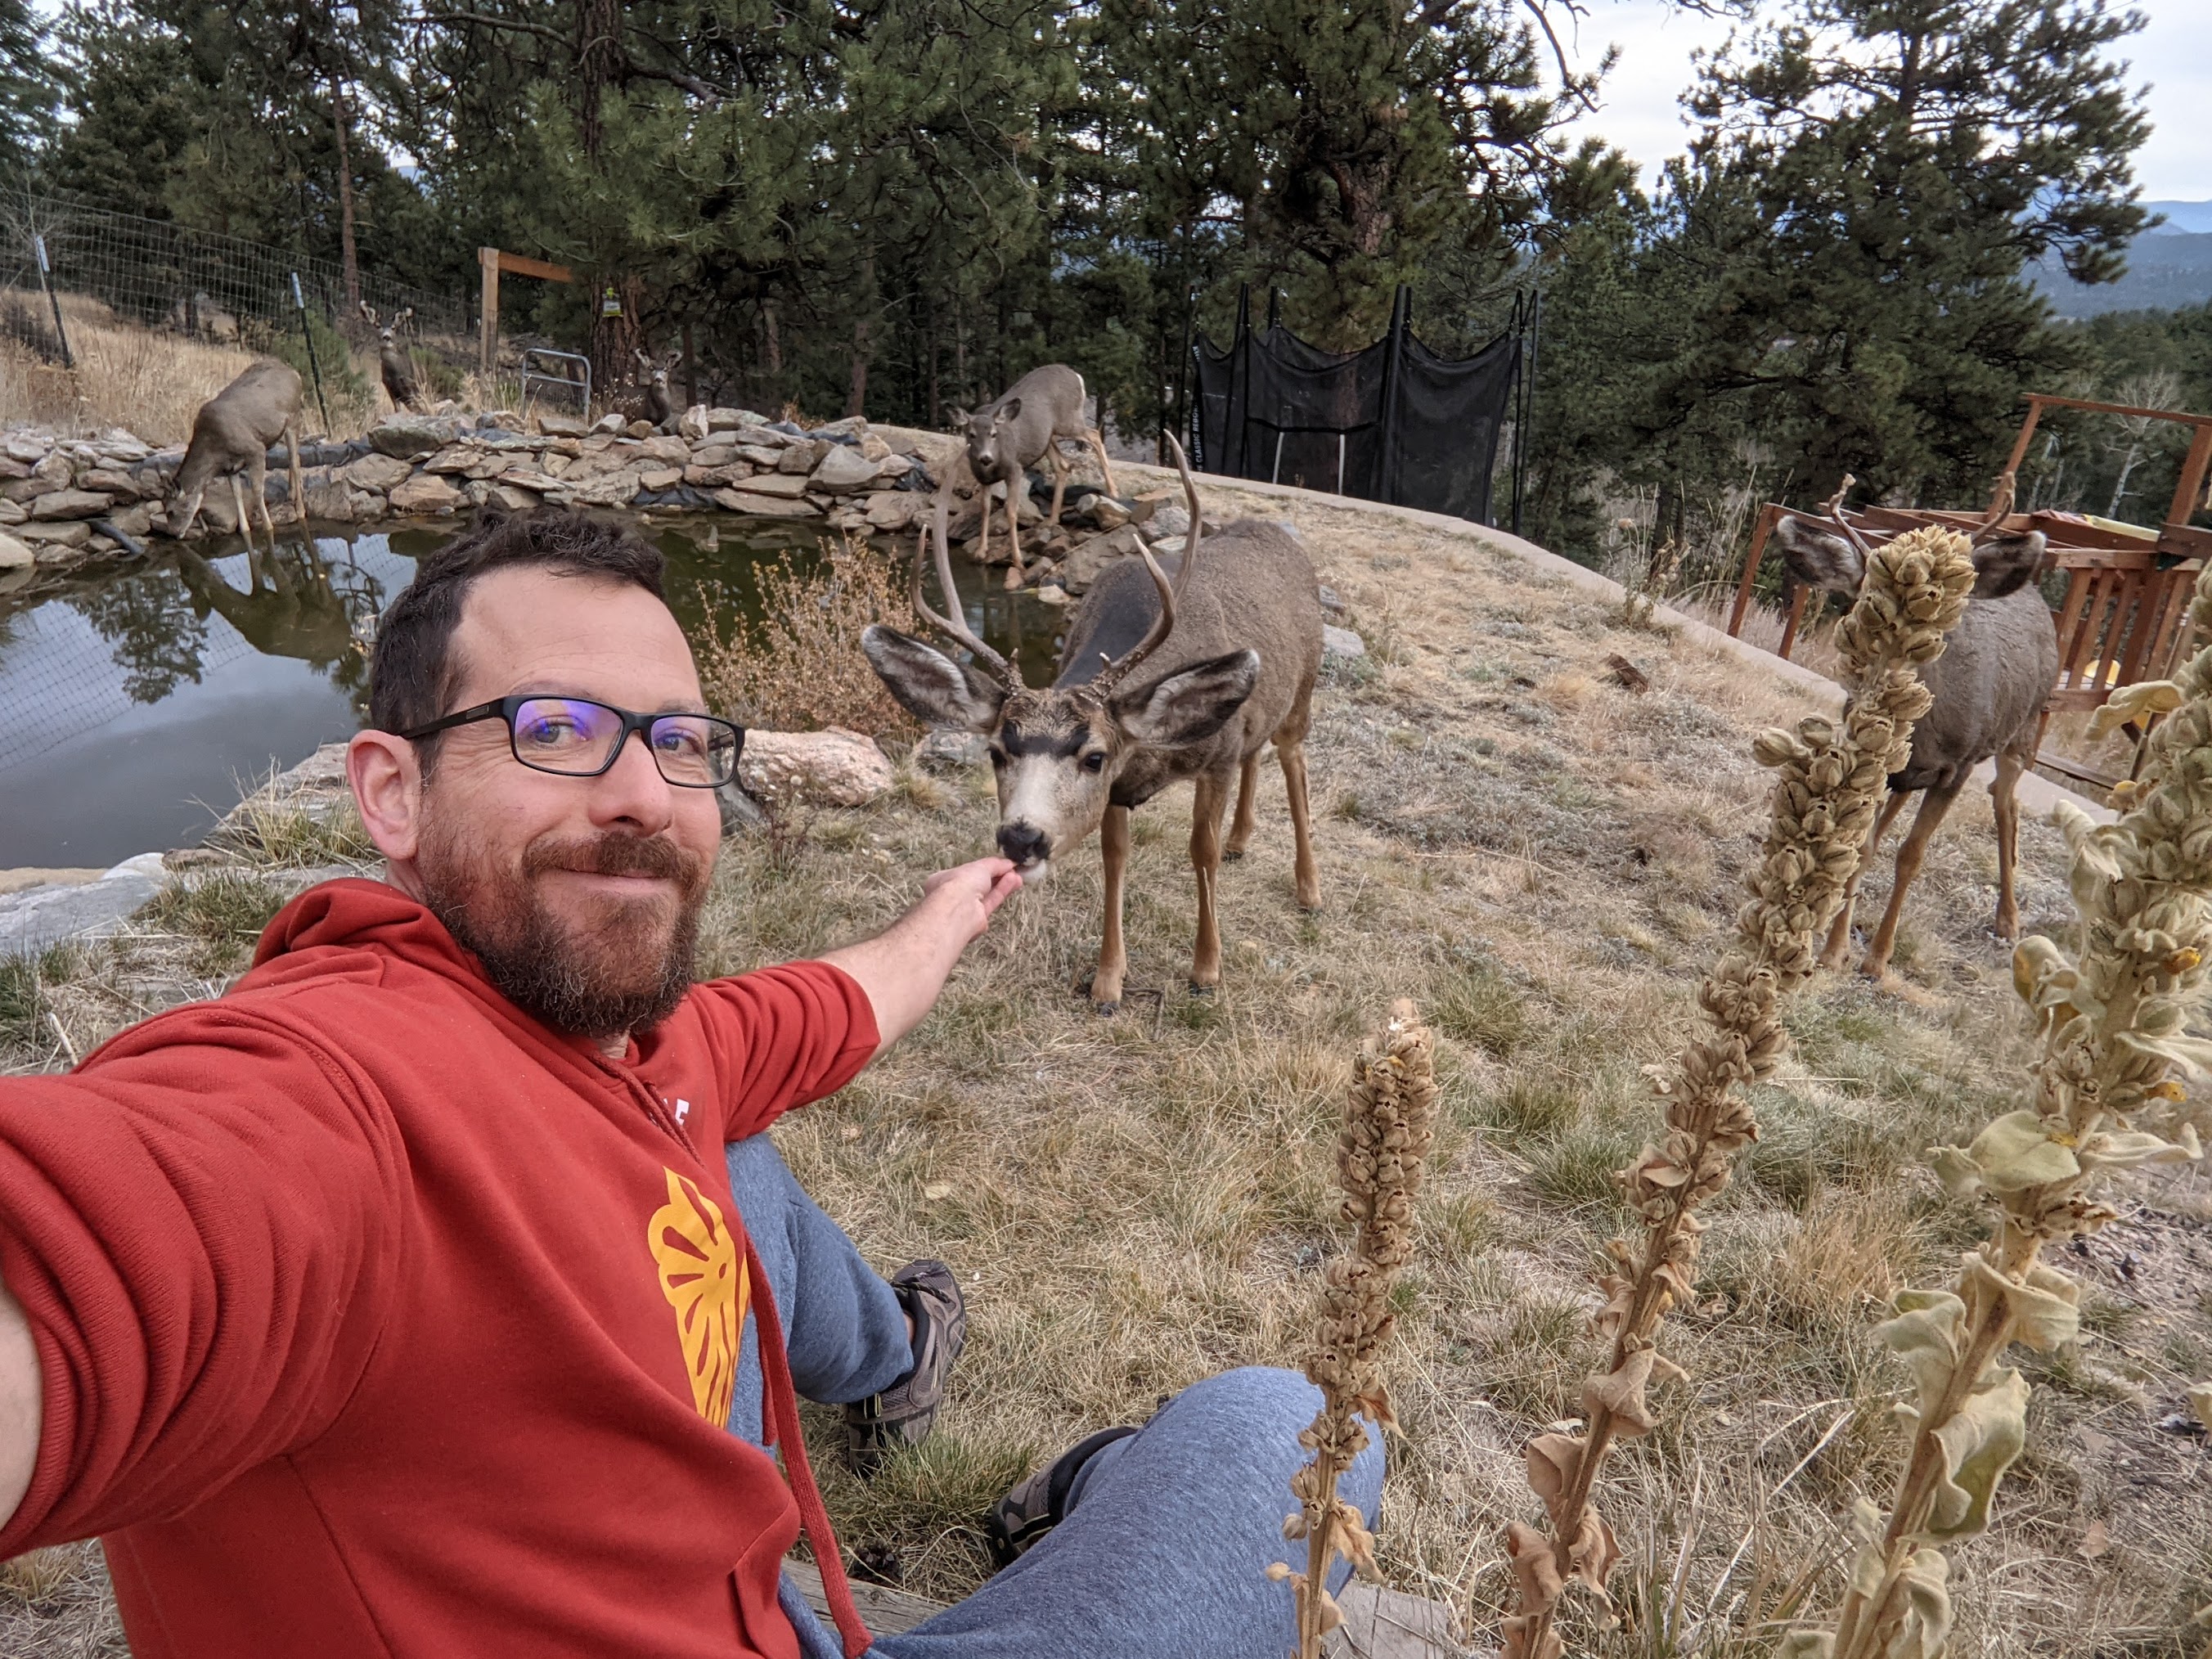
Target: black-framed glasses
x,y
576,738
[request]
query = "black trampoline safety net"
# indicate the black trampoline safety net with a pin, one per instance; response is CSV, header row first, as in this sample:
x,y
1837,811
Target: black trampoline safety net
x,y
1392,423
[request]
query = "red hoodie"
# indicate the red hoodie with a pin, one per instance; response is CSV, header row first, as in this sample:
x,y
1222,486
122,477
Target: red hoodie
x,y
376,1318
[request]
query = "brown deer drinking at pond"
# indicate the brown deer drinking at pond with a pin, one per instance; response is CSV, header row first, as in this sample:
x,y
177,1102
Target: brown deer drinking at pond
x,y
1023,427
231,434
1230,653
392,362
1990,686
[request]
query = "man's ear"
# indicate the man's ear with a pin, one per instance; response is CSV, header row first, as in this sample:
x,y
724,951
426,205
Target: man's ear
x,y
2005,564
1820,559
1190,706
386,776
929,685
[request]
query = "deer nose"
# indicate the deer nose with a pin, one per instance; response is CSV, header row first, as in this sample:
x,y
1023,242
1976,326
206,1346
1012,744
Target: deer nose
x,y
1023,844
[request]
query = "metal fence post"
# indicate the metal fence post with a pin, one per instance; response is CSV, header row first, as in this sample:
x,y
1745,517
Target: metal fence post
x,y
46,282
314,366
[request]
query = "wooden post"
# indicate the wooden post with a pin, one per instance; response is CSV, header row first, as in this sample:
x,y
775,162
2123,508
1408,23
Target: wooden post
x,y
487,347
2000,500
2188,488
1760,533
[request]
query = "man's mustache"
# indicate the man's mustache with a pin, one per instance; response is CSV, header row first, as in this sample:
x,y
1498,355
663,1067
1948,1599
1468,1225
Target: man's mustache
x,y
613,855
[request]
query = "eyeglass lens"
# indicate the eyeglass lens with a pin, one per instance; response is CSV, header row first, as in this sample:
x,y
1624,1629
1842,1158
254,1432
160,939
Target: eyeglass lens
x,y
568,735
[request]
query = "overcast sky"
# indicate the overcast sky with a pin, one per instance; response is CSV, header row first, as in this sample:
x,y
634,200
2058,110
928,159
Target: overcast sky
x,y
1639,113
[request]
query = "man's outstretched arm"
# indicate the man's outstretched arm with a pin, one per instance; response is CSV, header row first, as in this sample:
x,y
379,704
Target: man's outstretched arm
x,y
22,1405
903,967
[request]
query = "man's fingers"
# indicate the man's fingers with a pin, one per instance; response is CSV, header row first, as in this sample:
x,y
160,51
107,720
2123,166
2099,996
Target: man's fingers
x,y
978,875
1001,890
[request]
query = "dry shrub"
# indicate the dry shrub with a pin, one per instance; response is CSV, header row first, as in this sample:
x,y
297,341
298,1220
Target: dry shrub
x,y
1843,1259
801,666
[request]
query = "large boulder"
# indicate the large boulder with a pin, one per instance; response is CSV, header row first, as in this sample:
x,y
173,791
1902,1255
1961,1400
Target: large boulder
x,y
892,510
836,768
1087,560
843,471
15,555
789,485
765,507
730,420
70,504
426,493
378,471
949,751
410,435
563,426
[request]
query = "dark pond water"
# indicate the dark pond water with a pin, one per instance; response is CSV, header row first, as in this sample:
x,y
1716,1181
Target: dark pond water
x,y
136,706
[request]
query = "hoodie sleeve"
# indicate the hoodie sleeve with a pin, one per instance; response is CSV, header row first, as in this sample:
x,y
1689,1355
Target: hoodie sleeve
x,y
201,1224
783,1036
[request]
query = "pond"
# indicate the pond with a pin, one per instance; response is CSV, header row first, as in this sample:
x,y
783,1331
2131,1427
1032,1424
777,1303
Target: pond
x,y
138,705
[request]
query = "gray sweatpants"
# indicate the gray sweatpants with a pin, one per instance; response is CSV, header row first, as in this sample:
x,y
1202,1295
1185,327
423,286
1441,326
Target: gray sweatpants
x,y
1165,1549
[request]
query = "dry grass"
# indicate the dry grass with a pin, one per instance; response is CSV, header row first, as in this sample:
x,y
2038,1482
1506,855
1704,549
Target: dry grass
x,y
149,381
1134,1203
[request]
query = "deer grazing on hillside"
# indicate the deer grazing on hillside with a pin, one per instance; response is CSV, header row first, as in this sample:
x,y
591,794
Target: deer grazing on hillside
x,y
1230,653
1990,686
1023,427
659,400
392,362
231,434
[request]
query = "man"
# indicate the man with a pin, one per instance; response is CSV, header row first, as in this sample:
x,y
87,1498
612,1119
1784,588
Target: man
x,y
399,1300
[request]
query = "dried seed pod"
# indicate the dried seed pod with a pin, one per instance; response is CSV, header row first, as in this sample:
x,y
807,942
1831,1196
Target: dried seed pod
x,y
1826,786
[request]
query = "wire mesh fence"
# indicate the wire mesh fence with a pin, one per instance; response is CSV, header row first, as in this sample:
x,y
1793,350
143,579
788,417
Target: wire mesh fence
x,y
67,264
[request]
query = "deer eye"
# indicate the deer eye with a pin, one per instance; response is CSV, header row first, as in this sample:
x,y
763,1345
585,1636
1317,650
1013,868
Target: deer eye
x,y
998,755
1094,761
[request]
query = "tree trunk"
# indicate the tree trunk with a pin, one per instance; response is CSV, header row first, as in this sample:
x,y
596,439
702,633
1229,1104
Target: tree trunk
x,y
348,259
599,64
615,340
862,326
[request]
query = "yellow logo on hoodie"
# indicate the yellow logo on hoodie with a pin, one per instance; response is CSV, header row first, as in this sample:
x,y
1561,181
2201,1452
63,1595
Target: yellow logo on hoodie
x,y
703,1274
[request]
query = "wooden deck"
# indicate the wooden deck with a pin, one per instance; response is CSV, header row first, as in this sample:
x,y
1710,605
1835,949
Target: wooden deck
x,y
1379,1623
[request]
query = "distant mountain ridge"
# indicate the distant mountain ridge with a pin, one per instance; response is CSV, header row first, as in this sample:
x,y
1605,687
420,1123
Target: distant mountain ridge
x,y
2169,266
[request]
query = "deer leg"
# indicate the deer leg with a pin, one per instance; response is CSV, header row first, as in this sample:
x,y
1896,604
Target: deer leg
x,y
1016,575
1098,442
1933,805
1060,471
1206,859
1292,754
299,483
1240,826
1838,948
1113,954
238,504
256,485
2011,763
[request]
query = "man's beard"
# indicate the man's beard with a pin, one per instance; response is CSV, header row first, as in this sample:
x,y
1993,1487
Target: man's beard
x,y
617,969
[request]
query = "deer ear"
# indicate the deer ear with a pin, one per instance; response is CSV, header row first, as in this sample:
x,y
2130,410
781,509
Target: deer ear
x,y
1009,410
1191,705
1819,559
2005,564
929,685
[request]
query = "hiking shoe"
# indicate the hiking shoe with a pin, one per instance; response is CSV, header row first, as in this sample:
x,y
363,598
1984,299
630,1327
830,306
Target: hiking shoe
x,y
902,1413
1034,1506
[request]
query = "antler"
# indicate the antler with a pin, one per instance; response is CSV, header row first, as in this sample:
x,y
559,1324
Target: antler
x,y
369,312
990,662
1163,625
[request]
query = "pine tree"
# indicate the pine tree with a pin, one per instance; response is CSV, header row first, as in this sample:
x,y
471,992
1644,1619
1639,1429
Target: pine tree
x,y
27,93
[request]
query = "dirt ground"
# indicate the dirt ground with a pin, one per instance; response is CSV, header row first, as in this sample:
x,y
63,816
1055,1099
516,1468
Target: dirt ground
x,y
1547,862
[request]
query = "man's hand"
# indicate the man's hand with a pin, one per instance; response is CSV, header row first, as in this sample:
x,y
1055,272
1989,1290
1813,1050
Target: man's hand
x,y
905,967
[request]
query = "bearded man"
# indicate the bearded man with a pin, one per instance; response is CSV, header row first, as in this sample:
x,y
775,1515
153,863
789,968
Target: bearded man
x,y
436,1289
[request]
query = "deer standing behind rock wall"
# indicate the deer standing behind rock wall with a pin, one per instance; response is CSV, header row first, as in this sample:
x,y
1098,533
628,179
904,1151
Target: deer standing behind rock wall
x,y
1023,427
392,362
231,434
659,401
1990,686
1231,651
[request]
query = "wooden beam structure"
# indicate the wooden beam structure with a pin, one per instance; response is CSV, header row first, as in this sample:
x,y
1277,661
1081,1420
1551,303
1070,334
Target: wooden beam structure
x,y
494,261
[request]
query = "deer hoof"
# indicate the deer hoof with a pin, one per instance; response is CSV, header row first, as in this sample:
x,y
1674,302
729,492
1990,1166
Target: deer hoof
x,y
1203,993
1232,855
1105,1010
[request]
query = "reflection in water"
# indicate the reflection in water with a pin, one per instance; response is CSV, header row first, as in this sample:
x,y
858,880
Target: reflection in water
x,y
134,706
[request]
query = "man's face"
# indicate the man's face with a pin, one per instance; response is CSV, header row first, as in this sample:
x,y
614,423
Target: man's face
x,y
580,895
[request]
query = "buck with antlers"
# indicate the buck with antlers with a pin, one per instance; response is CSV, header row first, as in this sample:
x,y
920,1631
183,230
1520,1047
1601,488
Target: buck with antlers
x,y
1023,427
1990,686
1229,652
392,362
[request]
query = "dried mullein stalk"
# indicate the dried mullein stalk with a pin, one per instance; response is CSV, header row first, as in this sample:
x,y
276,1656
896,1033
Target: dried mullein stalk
x,y
2105,1097
1390,1120
1827,789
